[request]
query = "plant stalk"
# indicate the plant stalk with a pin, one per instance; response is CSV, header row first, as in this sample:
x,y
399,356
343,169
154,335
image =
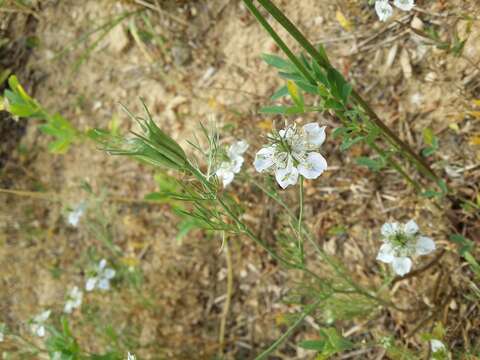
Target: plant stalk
x,y
300,220
322,61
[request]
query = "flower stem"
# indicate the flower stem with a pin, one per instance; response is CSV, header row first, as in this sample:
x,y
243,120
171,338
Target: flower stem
x,y
324,62
309,309
228,299
300,219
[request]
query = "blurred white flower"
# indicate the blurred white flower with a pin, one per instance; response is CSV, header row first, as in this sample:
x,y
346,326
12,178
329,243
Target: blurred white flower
x,y
37,325
439,350
102,278
233,164
292,153
437,345
75,215
131,357
405,5
2,332
400,242
57,355
74,300
384,9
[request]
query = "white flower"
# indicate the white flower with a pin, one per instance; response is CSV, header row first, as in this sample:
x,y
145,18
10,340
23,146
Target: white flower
x,y
37,325
131,357
439,350
2,332
74,300
292,153
233,164
405,5
384,9
102,278
400,242
437,346
75,215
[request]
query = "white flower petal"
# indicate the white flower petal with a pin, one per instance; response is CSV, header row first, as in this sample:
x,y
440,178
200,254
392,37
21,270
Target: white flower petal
x,y
286,176
131,357
75,215
109,273
386,253
424,245
76,292
104,284
314,134
264,158
405,5
237,149
40,331
102,264
313,166
384,9
68,307
389,229
402,265
226,176
437,345
91,283
236,164
410,228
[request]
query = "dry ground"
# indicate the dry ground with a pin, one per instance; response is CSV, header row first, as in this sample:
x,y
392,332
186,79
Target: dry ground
x,y
206,60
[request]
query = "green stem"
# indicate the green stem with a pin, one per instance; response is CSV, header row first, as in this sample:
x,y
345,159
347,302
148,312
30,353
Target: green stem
x,y
311,308
396,166
228,299
278,40
300,219
293,30
323,61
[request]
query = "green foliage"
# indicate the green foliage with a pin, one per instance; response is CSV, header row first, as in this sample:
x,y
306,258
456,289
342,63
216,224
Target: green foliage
x,y
20,104
465,249
151,145
396,351
171,193
373,164
454,45
347,306
433,193
330,86
431,141
63,342
331,342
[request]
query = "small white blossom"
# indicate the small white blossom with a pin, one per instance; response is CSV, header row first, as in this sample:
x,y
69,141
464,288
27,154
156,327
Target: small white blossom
x,y
405,5
437,345
131,357
439,350
384,9
74,300
37,325
292,153
102,278
75,215
233,164
400,242
2,332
